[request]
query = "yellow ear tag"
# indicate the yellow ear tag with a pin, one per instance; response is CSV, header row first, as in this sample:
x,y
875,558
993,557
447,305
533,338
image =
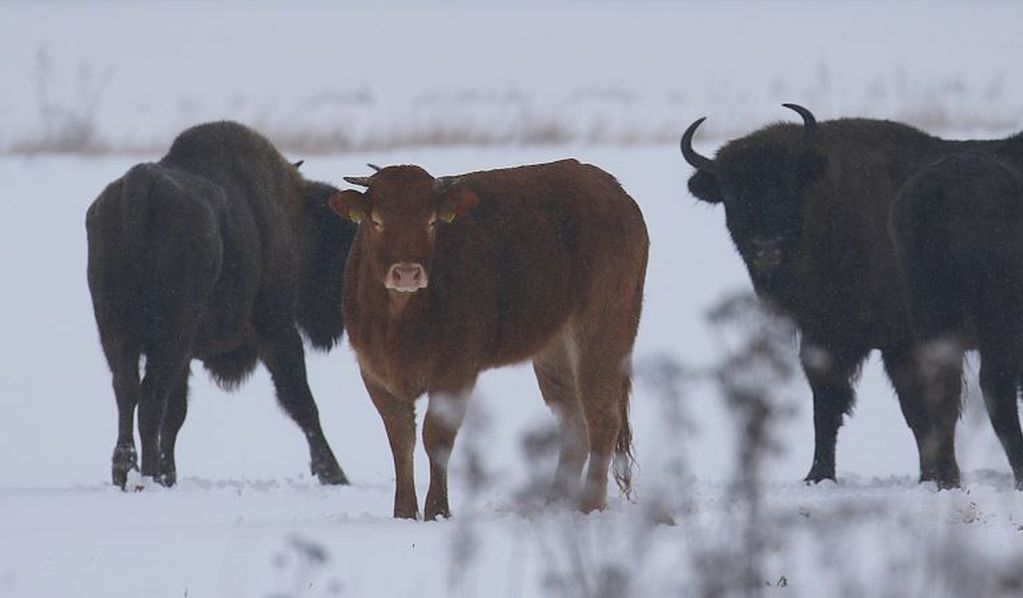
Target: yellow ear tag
x,y
447,216
356,215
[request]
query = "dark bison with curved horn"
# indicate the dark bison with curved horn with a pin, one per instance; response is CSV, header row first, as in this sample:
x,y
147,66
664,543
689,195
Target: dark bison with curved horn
x,y
807,208
221,252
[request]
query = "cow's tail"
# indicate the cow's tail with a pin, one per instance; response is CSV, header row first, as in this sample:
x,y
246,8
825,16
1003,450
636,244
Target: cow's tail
x,y
623,456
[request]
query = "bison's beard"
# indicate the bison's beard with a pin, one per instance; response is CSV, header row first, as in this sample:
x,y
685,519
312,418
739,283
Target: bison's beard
x,y
776,286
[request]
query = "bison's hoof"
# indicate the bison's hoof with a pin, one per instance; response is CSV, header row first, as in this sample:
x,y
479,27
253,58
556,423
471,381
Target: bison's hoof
x,y
167,479
817,476
125,459
328,472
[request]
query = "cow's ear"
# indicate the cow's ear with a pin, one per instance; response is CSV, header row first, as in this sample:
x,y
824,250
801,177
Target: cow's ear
x,y
704,186
350,204
456,203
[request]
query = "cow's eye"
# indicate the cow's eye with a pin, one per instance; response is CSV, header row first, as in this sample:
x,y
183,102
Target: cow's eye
x,y
378,224
432,223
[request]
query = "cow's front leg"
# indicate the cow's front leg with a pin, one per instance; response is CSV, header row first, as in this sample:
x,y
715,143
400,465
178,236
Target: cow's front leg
x,y
443,418
399,417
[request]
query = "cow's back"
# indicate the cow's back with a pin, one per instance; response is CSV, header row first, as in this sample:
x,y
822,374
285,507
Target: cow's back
x,y
553,239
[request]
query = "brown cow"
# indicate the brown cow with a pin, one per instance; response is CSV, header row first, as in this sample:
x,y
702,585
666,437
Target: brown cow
x,y
449,277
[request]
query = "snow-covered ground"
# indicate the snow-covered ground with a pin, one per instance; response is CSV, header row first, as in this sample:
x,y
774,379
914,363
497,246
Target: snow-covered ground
x,y
247,520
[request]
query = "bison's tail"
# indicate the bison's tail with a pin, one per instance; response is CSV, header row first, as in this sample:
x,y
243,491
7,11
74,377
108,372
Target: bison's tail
x,y
623,457
138,183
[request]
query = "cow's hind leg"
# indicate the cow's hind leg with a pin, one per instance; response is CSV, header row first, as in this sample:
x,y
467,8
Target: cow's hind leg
x,y
604,383
830,376
556,376
281,351
440,425
174,417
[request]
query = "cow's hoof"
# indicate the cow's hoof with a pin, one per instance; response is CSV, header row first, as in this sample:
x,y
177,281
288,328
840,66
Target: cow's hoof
x,y
406,513
592,501
437,509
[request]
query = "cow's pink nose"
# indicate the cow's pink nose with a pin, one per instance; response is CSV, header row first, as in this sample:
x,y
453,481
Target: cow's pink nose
x,y
407,276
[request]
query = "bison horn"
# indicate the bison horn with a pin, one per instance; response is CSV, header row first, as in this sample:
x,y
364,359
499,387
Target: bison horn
x,y
809,122
374,167
692,157
357,180
299,164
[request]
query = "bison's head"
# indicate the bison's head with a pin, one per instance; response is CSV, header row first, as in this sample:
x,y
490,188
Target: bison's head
x,y
399,215
761,179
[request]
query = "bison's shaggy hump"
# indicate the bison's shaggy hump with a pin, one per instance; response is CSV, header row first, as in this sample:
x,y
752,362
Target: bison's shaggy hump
x,y
215,252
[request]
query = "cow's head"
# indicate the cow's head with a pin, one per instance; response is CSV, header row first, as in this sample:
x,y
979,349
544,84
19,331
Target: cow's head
x,y
400,214
761,179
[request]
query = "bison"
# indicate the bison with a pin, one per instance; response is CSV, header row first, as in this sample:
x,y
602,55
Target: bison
x,y
451,276
958,226
220,252
807,208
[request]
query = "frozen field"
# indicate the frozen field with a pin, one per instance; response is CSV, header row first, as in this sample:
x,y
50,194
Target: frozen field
x,y
392,79
229,528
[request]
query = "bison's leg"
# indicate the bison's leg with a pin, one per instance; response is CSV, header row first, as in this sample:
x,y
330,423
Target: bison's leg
x,y
902,367
125,366
999,371
400,423
174,417
443,418
830,376
281,351
163,369
556,377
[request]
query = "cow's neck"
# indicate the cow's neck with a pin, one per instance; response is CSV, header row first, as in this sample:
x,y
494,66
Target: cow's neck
x,y
407,311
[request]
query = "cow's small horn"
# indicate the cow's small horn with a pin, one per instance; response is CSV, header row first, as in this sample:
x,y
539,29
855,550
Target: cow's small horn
x,y
357,180
373,166
692,157
298,164
809,122
444,182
